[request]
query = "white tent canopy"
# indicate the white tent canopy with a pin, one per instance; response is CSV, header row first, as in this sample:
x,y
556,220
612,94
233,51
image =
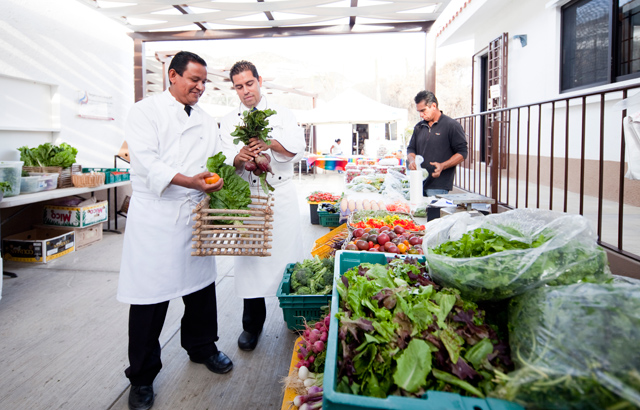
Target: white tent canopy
x,y
351,107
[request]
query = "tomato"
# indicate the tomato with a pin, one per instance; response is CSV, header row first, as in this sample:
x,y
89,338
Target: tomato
x,y
402,248
212,179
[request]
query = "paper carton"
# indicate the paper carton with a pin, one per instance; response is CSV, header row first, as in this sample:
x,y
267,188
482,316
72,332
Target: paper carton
x,y
75,216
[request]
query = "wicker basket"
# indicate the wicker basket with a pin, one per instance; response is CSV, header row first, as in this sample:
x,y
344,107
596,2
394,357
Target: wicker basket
x,y
64,177
252,238
87,180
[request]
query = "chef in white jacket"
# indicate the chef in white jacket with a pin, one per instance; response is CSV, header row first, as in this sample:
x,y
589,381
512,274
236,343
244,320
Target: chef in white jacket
x,y
170,138
259,277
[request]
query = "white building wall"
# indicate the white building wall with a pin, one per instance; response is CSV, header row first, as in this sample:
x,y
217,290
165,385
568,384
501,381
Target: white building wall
x,y
68,44
534,76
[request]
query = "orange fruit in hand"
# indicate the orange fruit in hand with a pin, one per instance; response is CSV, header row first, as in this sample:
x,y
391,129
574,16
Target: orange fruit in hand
x,y
212,179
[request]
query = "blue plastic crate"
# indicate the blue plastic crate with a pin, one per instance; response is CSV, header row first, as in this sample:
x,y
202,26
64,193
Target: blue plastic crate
x,y
432,400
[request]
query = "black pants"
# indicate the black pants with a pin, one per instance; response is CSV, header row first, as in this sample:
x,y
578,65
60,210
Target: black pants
x,y
198,333
254,315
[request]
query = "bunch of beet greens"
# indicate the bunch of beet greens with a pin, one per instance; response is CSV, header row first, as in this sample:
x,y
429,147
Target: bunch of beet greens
x,y
401,334
256,125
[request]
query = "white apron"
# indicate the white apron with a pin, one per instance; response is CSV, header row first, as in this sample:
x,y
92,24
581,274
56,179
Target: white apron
x,y
260,276
156,259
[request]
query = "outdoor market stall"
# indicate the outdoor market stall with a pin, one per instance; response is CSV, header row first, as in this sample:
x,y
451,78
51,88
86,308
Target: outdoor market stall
x,y
503,267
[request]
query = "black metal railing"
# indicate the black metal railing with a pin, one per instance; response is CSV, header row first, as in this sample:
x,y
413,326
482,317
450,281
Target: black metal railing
x,y
566,154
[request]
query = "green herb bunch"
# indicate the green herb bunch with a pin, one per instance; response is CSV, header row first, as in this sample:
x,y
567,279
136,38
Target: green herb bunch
x,y
254,125
402,334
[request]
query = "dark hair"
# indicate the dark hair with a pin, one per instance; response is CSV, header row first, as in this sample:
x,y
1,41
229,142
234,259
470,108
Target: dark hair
x,y
241,66
427,96
338,140
182,59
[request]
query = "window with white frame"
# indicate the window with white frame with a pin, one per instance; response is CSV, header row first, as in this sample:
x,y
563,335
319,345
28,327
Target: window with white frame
x,y
600,42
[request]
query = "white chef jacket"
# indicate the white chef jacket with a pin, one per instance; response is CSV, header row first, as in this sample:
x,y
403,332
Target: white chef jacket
x,y
156,259
260,276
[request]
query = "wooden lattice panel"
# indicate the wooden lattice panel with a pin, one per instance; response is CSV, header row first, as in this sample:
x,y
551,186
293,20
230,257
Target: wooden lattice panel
x,y
252,238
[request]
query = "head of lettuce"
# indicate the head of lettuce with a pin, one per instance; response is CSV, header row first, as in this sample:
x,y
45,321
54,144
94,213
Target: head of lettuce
x,y
235,194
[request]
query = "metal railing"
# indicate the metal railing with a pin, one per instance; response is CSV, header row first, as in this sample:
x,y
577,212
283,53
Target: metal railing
x,y
566,154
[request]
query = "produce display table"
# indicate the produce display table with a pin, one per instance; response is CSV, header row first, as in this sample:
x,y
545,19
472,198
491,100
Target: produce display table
x,y
329,163
27,199
467,199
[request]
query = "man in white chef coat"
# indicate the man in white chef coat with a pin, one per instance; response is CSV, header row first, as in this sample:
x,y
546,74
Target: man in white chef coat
x,y
259,277
170,138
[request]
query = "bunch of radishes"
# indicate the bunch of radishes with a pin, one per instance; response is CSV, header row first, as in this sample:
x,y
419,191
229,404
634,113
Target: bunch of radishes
x,y
313,349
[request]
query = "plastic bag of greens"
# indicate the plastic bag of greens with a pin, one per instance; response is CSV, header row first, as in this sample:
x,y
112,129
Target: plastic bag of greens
x,y
395,186
575,347
365,183
502,255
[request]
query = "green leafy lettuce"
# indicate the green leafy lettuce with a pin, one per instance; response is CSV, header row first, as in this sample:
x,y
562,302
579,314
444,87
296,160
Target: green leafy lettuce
x,y
401,333
235,193
48,155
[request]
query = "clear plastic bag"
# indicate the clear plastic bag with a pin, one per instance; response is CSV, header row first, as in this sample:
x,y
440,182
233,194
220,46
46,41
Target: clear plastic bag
x,y
568,253
395,187
365,183
575,347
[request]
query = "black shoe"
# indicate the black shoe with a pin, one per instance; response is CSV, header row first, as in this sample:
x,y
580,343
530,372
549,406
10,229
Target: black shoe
x,y
248,341
218,363
141,397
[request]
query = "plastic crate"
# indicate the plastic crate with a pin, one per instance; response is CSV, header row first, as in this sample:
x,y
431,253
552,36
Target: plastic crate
x,y
329,219
111,175
313,212
298,308
432,400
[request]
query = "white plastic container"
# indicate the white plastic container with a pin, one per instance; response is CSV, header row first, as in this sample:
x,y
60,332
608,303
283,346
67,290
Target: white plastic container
x,y
11,171
31,184
51,179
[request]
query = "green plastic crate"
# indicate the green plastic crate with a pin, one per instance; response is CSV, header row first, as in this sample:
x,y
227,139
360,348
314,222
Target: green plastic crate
x,y
432,400
329,219
111,175
298,308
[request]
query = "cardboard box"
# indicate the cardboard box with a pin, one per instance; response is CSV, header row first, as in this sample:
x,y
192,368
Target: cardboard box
x,y
84,236
74,216
38,245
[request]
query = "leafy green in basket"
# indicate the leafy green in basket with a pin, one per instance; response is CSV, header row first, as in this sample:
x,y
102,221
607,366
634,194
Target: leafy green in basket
x,y
235,194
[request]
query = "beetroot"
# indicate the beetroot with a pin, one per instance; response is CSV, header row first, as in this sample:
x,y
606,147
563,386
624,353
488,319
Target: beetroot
x,y
250,165
264,162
